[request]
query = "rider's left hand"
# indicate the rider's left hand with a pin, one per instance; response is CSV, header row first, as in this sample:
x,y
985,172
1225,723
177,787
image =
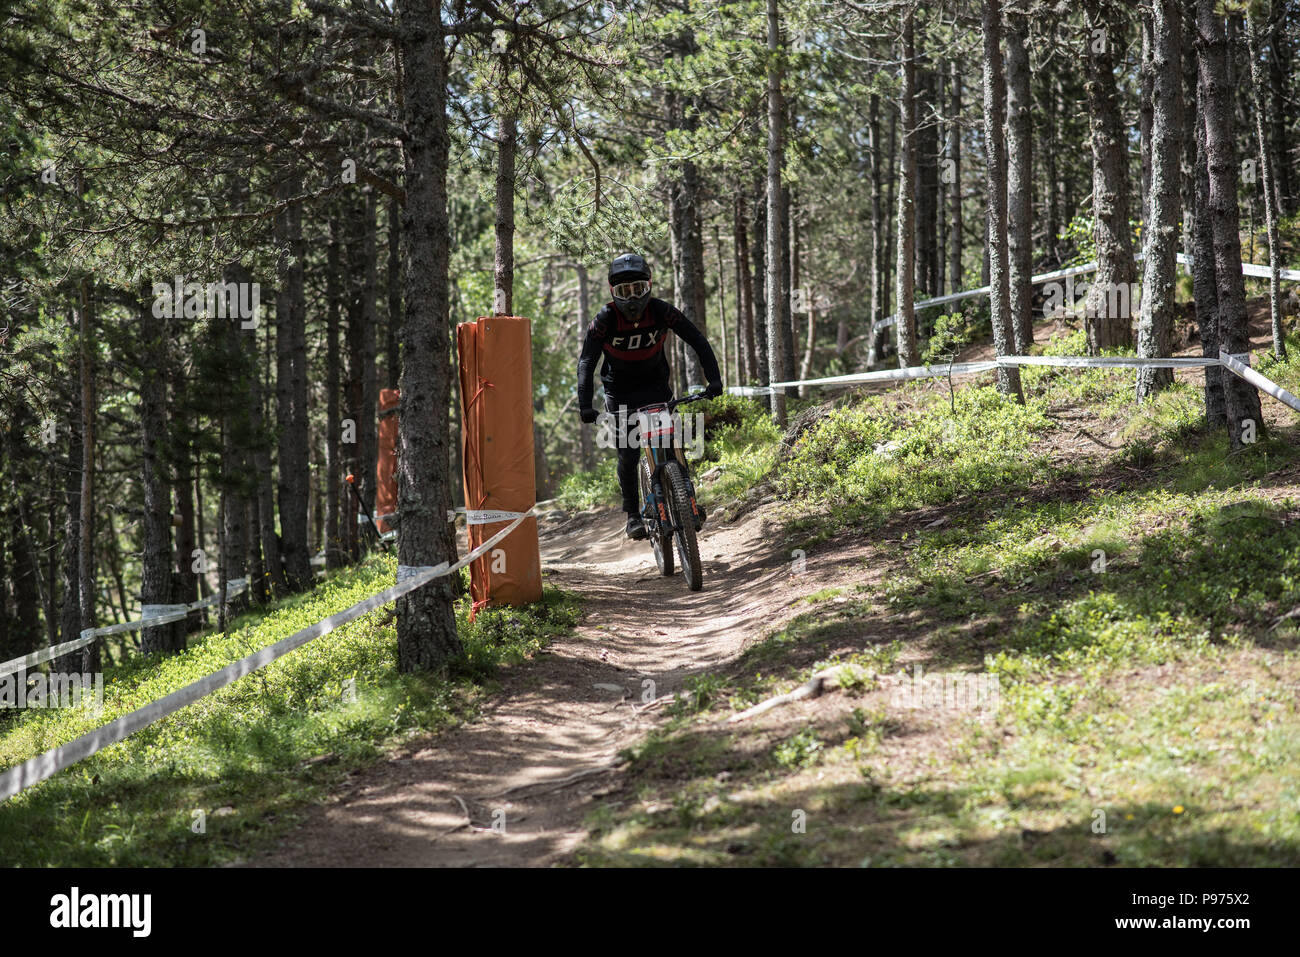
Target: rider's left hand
x,y
713,389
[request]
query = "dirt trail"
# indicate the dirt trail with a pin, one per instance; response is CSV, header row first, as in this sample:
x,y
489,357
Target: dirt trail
x,y
552,719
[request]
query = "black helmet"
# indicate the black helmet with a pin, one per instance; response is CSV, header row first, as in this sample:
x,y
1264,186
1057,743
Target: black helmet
x,y
628,266
629,281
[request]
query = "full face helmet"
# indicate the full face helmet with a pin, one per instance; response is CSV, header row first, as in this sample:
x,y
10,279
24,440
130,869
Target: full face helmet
x,y
629,282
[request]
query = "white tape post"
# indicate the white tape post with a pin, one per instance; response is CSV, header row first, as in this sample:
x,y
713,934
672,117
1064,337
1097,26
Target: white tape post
x,y
46,765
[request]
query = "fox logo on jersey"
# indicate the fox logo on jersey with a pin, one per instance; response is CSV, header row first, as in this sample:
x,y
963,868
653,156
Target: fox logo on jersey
x,y
636,341
640,341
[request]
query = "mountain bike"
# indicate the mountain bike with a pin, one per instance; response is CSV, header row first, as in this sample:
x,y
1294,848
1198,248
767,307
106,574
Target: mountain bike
x,y
668,505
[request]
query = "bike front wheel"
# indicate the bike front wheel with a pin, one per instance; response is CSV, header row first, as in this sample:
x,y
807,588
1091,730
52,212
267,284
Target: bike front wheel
x,y
677,491
662,544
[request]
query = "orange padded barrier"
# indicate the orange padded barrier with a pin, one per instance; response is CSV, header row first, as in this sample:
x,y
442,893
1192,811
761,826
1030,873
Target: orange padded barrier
x,y
496,394
386,469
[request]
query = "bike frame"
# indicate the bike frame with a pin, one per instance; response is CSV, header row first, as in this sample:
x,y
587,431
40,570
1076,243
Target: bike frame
x,y
662,444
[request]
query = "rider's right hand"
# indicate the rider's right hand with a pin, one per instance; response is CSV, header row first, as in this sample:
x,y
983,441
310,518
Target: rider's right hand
x,y
588,415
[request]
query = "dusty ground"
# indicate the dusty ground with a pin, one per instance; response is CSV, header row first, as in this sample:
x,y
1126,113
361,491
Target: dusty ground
x,y
534,760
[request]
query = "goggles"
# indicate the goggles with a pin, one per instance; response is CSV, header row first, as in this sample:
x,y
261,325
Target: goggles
x,y
631,290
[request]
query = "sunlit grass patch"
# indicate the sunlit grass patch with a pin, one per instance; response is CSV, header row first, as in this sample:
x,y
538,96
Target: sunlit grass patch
x,y
247,755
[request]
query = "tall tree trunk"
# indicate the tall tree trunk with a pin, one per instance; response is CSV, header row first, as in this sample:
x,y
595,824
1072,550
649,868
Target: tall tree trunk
x,y
90,655
291,404
1269,183
258,590
352,387
25,630
1156,325
1279,73
1052,173
927,189
394,279
156,523
738,265
1146,115
183,492
745,283
1020,183
264,494
1109,307
688,263
70,609
810,302
758,254
908,354
775,159
876,159
426,628
995,101
1191,124
722,307
1242,399
585,436
1205,288
503,260
335,544
889,260
368,420
788,336
232,511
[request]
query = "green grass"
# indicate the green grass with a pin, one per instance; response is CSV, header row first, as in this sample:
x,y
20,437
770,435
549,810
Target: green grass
x,y
1145,715
253,752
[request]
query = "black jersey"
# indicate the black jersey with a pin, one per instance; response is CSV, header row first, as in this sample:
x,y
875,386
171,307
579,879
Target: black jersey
x,y
634,351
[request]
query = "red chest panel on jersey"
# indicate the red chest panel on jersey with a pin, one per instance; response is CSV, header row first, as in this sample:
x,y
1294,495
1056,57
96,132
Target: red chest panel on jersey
x,y
633,342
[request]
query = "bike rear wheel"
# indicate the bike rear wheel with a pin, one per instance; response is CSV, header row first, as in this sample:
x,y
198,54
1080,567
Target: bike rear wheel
x,y
677,491
662,545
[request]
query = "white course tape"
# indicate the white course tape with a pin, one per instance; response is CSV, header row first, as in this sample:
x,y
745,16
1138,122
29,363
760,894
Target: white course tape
x,y
1249,269
1259,381
51,762
485,516
149,612
881,375
971,368
164,614
1107,362
477,516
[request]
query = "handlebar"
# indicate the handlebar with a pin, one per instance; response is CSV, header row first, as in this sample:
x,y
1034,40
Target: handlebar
x,y
693,397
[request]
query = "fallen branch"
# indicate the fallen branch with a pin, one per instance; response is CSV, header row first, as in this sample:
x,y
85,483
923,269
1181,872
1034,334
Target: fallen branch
x,y
814,687
467,823
559,783
1088,435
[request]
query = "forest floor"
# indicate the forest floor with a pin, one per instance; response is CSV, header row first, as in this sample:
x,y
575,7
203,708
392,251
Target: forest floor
x,y
544,749
1143,715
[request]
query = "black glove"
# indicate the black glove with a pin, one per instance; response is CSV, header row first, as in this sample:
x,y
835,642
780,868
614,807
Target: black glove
x,y
587,415
713,389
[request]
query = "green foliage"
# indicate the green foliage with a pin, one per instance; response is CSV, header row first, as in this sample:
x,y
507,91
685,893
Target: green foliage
x,y
867,460
952,332
589,489
261,746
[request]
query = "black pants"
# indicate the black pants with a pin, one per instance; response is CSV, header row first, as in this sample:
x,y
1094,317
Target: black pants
x,y
629,456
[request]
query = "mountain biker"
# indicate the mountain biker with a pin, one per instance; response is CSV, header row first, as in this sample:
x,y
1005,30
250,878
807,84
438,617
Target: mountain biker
x,y
631,331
